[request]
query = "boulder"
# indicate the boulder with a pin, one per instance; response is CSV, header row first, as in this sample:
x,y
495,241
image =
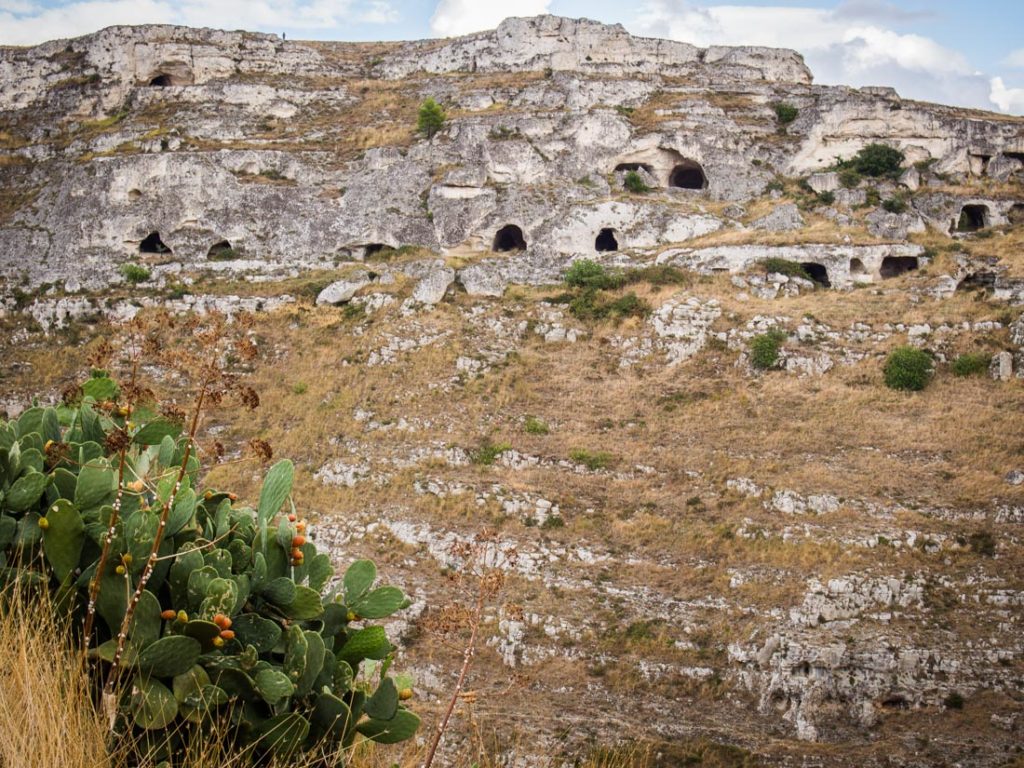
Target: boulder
x,y
433,286
782,219
341,291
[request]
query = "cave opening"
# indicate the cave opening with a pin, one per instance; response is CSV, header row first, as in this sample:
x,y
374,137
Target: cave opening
x,y
626,167
509,238
688,175
857,268
153,244
973,218
1016,214
894,266
161,81
222,251
817,272
606,241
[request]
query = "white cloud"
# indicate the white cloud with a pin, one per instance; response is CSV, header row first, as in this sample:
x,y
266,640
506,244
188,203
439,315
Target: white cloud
x,y
460,17
26,23
837,49
1015,59
1008,99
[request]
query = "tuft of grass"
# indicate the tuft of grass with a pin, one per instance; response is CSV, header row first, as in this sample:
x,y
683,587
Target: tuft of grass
x,y
535,426
46,712
134,273
785,267
764,349
908,369
489,451
634,183
592,460
971,364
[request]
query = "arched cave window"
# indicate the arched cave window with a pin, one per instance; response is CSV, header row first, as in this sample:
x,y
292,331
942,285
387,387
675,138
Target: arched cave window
x,y
153,244
818,273
857,268
688,175
894,266
379,250
509,238
606,241
973,218
1016,214
161,81
222,251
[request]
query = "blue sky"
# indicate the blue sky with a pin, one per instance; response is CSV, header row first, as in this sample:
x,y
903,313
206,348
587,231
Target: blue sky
x,y
968,53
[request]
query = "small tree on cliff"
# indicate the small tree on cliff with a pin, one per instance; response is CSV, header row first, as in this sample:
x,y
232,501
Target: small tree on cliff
x,y
431,118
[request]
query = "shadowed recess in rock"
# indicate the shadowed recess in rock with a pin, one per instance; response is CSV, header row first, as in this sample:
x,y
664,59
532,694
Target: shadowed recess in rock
x,y
973,218
688,175
894,266
509,238
606,241
153,244
818,273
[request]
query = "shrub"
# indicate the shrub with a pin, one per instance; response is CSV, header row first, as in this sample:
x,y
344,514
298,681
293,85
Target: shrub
x,y
908,369
535,426
489,451
954,701
971,364
431,118
634,182
658,275
135,273
785,267
876,160
785,113
982,543
629,305
103,499
300,388
895,204
826,198
849,178
587,273
590,305
764,349
592,460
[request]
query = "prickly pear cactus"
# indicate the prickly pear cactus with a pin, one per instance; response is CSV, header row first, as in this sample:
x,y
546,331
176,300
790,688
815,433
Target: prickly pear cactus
x,y
234,619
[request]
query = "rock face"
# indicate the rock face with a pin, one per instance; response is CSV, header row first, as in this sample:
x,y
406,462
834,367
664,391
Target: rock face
x,y
183,135
769,549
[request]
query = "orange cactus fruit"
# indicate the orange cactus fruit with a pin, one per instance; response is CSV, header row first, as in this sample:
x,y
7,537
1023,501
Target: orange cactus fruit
x,y
218,642
227,634
169,615
291,518
232,497
137,486
222,621
182,617
300,526
298,541
405,694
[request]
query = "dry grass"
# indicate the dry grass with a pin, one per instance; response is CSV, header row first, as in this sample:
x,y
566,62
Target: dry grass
x,y
46,717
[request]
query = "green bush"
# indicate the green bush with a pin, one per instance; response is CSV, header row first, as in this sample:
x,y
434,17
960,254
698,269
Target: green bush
x,y
592,460
876,160
535,426
431,118
657,275
826,198
954,700
229,624
849,178
135,273
895,204
587,273
590,304
764,349
971,364
634,182
908,369
785,267
489,451
785,113
983,543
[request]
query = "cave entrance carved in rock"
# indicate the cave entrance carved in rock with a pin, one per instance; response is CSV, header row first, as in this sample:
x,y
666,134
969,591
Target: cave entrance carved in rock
x,y
606,241
688,175
153,244
509,238
817,272
222,251
894,266
972,218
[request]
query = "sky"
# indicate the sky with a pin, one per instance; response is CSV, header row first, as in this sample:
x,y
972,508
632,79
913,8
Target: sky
x,y
964,52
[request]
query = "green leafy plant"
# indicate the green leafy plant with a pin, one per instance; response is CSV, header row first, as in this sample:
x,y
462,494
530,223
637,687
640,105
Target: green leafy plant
x,y
849,178
971,364
765,347
587,273
826,198
895,204
489,451
535,426
785,113
134,273
431,118
908,369
785,267
214,610
875,160
592,460
635,183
